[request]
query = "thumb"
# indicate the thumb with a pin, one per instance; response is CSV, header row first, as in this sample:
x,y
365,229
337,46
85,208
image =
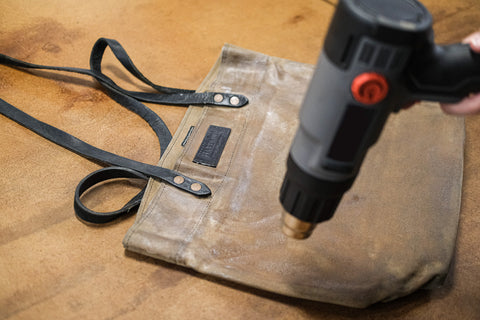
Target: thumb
x,y
474,41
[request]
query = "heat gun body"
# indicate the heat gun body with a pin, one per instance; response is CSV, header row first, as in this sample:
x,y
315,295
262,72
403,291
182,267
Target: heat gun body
x,y
378,57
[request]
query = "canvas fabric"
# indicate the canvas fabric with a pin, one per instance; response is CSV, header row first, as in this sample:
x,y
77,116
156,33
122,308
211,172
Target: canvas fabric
x,y
393,233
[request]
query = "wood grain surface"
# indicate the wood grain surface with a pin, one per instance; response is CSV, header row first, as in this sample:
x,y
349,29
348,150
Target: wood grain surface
x,y
52,266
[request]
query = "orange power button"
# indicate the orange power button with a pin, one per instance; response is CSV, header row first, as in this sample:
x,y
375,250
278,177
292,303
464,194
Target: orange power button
x,y
369,88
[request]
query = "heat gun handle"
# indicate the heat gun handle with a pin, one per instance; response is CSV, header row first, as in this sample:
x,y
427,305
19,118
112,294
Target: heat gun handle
x,y
445,74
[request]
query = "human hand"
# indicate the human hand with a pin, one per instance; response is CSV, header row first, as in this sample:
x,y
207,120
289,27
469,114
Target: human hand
x,y
470,104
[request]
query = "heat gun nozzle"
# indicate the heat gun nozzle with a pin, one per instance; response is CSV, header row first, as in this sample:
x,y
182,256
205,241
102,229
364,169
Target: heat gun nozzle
x,y
296,228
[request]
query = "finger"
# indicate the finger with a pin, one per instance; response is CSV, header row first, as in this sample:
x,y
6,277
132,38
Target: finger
x,y
474,41
469,105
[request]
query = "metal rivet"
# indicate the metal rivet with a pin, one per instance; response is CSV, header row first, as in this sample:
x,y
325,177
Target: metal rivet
x,y
218,97
234,100
196,186
179,179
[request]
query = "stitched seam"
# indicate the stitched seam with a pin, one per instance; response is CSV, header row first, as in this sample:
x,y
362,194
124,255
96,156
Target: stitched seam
x,y
196,226
146,214
160,191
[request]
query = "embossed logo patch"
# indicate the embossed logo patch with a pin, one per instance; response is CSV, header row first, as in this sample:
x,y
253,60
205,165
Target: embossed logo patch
x,y
211,148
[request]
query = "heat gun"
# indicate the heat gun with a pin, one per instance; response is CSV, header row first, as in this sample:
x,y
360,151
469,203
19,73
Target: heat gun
x,y
378,57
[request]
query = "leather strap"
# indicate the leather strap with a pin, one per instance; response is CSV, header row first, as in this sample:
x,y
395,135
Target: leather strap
x,y
121,167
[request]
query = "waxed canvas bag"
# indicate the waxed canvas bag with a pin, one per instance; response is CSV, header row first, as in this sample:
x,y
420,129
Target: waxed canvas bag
x,y
393,233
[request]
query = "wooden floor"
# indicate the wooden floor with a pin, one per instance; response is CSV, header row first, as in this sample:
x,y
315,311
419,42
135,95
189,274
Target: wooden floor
x,y
52,266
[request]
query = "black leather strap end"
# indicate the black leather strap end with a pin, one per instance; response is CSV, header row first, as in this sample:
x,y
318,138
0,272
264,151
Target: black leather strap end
x,y
232,100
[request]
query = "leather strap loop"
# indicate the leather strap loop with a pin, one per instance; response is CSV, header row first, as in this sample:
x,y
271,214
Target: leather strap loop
x,y
97,177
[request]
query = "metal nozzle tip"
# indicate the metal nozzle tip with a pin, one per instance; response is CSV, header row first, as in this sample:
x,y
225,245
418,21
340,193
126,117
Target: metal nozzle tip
x,y
296,228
